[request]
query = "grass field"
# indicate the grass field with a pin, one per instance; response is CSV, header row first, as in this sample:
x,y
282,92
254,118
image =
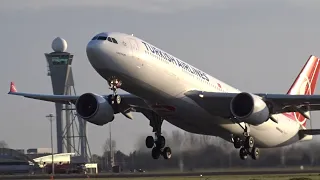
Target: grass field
x,y
238,169
251,177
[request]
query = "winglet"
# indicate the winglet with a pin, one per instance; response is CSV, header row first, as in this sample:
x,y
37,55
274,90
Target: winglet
x,y
13,88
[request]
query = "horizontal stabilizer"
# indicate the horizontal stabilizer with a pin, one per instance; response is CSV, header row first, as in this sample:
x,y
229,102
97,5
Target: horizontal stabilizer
x,y
310,132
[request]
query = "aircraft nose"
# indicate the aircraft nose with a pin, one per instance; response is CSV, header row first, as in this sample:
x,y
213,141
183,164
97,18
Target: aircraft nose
x,y
96,52
94,47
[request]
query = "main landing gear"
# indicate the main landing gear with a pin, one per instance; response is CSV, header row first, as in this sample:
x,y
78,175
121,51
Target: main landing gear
x,y
158,143
246,145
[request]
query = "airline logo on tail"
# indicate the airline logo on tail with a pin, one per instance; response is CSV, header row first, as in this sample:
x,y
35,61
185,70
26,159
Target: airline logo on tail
x,y
305,84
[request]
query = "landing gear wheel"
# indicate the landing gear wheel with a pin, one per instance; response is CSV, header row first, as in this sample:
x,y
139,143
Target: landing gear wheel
x,y
117,99
161,142
243,154
255,153
237,142
149,142
249,142
166,153
156,152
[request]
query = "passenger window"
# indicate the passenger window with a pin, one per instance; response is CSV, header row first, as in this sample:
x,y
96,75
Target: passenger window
x,y
115,41
109,39
102,38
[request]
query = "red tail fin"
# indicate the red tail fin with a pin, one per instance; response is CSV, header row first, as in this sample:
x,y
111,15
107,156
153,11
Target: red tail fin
x,y
305,83
13,87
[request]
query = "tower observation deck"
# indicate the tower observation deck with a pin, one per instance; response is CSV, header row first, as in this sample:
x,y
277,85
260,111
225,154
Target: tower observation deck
x,y
71,129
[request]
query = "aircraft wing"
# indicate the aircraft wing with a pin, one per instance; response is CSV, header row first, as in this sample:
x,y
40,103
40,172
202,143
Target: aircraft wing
x,y
129,101
219,103
64,99
290,103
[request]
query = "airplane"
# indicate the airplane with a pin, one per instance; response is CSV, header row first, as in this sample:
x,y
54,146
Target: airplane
x,y
163,87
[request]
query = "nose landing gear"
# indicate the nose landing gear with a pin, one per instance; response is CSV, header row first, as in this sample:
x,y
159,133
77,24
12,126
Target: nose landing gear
x,y
114,85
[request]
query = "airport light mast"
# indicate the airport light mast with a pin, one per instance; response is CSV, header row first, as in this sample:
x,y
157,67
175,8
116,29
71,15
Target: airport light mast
x,y
112,163
50,117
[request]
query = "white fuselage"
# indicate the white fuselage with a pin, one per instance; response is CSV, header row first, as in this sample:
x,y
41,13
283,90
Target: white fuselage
x,y
160,78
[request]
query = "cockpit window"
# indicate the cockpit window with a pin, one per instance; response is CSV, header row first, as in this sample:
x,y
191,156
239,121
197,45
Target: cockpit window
x,y
110,39
105,37
114,40
102,38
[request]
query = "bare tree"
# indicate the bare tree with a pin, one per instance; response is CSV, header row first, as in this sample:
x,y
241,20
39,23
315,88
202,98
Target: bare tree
x,y
109,149
205,141
141,144
107,145
176,140
95,158
192,141
3,144
176,137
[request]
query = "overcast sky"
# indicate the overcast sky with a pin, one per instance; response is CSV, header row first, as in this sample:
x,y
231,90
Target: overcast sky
x,y
256,46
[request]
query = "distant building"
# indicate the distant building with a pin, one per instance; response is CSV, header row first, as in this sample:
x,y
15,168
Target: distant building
x,y
39,151
14,162
39,160
20,150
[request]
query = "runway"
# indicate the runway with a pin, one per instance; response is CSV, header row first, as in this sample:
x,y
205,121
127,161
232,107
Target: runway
x,y
138,175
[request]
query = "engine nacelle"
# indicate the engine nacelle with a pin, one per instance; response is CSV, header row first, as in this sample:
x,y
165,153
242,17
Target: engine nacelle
x,y
249,108
94,109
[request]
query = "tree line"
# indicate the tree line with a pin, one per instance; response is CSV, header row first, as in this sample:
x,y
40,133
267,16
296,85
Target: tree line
x,y
191,151
3,144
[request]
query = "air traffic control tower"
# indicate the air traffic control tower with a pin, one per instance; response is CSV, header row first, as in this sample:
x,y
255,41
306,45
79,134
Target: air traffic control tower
x,y
71,129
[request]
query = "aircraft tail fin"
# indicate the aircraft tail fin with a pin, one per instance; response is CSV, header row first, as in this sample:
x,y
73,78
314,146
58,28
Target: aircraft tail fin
x,y
305,84
306,80
13,88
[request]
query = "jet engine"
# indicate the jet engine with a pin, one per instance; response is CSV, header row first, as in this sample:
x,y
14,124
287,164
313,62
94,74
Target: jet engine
x,y
94,109
249,108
